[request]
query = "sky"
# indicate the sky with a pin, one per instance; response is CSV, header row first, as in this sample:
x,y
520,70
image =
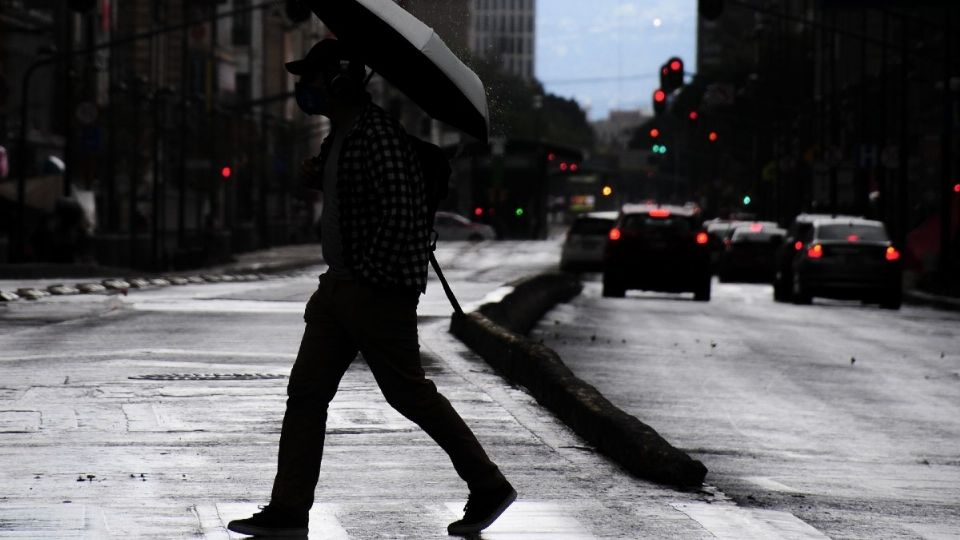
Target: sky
x,y
618,46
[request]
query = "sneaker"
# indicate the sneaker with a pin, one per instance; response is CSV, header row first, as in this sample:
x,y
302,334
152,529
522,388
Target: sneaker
x,y
482,509
271,521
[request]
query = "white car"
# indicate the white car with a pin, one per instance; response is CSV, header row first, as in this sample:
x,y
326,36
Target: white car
x,y
586,240
450,226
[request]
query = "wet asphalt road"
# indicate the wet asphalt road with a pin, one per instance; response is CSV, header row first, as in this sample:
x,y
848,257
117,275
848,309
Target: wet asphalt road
x,y
765,395
847,416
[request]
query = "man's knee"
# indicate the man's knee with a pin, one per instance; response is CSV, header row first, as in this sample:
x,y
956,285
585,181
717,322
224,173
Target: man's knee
x,y
412,397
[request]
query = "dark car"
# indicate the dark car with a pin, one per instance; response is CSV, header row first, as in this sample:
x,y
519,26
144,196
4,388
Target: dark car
x,y
657,248
585,242
849,259
749,254
783,261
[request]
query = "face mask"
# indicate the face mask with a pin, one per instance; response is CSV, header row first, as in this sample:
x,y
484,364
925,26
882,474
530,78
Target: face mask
x,y
311,99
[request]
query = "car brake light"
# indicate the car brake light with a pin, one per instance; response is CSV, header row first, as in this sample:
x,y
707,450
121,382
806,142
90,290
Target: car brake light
x,y
756,227
853,238
798,246
892,254
659,213
815,252
615,233
702,238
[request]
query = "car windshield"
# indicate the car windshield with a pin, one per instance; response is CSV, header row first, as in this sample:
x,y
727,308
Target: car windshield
x,y
844,231
591,227
646,222
746,235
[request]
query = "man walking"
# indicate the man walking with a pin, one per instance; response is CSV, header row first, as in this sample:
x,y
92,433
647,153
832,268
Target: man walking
x,y
376,243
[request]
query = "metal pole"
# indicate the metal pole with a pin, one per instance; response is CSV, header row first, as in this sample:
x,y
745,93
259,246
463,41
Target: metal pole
x,y
20,243
182,169
68,145
946,144
903,193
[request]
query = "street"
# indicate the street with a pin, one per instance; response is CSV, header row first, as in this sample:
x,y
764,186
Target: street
x,y
156,414
844,415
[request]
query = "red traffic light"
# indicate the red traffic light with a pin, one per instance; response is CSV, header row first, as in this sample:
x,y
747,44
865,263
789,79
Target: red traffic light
x,y
676,65
693,115
956,188
551,156
659,96
564,166
713,136
574,167
226,173
654,133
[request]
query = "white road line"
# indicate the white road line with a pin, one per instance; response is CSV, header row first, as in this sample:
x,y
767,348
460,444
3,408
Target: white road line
x,y
323,520
527,520
770,484
730,522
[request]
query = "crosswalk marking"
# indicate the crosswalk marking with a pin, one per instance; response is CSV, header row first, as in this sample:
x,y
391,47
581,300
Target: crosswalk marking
x,y
728,521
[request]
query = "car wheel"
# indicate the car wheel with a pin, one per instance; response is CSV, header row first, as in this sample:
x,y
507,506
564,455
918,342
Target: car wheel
x,y
892,300
801,295
702,293
613,290
781,291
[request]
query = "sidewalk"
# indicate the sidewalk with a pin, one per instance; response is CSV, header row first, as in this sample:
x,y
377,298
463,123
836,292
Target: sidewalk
x,y
42,276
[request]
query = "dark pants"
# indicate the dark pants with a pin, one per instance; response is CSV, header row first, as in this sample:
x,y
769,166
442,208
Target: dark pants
x,y
344,317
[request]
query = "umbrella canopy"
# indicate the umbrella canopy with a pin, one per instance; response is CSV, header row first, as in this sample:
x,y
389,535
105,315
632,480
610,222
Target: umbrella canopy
x,y
411,56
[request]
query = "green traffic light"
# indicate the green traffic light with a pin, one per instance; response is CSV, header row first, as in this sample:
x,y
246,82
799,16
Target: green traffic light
x,y
519,212
747,200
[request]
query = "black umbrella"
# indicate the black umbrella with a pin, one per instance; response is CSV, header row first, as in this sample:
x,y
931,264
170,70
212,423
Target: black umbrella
x,y
411,56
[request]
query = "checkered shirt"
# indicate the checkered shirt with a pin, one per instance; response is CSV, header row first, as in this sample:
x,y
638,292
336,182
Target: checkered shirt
x,y
383,203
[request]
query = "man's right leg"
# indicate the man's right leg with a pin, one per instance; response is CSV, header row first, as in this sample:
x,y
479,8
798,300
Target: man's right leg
x,y
326,352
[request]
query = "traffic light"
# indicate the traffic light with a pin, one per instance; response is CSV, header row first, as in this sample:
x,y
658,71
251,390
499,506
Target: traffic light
x,y
713,136
710,9
226,172
81,6
297,11
659,149
607,191
654,133
674,75
519,212
693,116
747,200
659,101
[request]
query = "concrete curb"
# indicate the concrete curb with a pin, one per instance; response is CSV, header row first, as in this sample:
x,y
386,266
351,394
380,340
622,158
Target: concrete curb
x,y
926,299
495,334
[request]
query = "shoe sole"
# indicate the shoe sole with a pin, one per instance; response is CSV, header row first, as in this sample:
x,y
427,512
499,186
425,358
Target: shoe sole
x,y
253,530
464,531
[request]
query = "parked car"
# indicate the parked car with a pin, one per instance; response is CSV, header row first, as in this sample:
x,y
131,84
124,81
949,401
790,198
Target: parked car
x,y
585,242
783,263
657,248
847,258
749,254
451,226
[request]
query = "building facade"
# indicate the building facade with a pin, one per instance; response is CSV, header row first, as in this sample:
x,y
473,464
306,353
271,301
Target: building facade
x,y
505,31
175,118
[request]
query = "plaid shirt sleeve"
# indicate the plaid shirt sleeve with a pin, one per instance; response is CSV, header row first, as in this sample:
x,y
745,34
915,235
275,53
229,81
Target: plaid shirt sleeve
x,y
396,253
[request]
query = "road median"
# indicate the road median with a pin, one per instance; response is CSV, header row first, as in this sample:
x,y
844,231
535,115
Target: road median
x,y
497,333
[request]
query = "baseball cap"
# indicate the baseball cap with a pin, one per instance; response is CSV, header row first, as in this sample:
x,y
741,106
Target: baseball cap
x,y
323,56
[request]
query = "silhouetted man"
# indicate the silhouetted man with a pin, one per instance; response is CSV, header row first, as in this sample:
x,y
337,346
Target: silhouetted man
x,y
376,243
